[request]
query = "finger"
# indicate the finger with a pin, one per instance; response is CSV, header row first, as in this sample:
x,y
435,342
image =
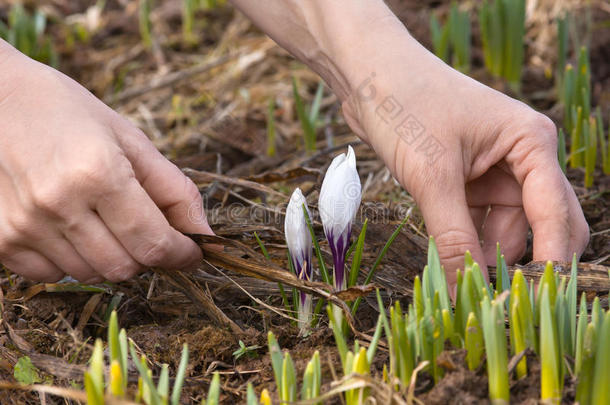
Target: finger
x,y
93,240
138,224
478,215
545,200
174,193
533,160
448,219
579,229
58,250
494,187
508,226
34,266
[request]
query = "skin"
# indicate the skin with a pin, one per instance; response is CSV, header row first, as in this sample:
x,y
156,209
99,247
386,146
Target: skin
x,y
101,202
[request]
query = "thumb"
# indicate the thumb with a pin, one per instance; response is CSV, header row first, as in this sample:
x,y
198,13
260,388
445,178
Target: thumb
x,y
174,193
448,219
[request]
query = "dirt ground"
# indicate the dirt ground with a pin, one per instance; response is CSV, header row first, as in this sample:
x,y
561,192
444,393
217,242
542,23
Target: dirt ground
x,y
188,114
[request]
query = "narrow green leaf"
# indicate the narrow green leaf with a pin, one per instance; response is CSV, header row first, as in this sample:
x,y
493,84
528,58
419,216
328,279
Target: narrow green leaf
x,y
163,384
495,347
355,270
145,375
473,342
214,391
271,132
550,359
316,103
601,387
276,359
289,383
309,132
584,389
251,395
385,249
180,375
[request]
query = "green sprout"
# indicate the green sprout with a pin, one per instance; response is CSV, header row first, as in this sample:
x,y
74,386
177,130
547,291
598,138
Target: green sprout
x,y
473,342
94,376
601,388
271,147
562,50
492,313
551,378
502,25
27,33
189,9
309,120
522,334
144,24
452,40
561,150
604,141
244,350
285,375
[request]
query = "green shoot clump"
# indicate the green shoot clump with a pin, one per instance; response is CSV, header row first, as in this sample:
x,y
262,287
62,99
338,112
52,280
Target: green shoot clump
x,y
502,25
452,40
27,33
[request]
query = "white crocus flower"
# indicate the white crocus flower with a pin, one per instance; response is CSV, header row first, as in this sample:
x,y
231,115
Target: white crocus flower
x,y
339,201
299,244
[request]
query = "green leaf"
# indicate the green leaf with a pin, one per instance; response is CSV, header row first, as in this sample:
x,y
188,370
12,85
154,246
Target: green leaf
x,y
25,372
521,318
355,270
316,103
499,274
601,387
580,334
337,329
93,396
214,391
473,342
370,353
551,384
180,375
309,132
96,367
495,347
561,150
572,297
163,384
289,383
251,395
145,375
437,273
584,388
113,337
276,359
271,147
385,249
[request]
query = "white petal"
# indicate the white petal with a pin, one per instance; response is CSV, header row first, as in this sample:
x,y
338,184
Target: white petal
x,y
340,194
297,234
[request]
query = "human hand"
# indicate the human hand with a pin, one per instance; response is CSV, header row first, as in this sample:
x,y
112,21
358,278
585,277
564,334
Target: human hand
x,y
481,166
83,192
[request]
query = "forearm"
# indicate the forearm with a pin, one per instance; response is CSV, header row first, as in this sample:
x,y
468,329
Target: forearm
x,y
339,39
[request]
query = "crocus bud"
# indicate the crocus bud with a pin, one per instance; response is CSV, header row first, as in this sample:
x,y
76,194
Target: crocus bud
x,y
339,201
299,244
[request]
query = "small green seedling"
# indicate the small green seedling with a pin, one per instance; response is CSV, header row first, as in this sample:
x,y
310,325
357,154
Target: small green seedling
x,y
244,350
